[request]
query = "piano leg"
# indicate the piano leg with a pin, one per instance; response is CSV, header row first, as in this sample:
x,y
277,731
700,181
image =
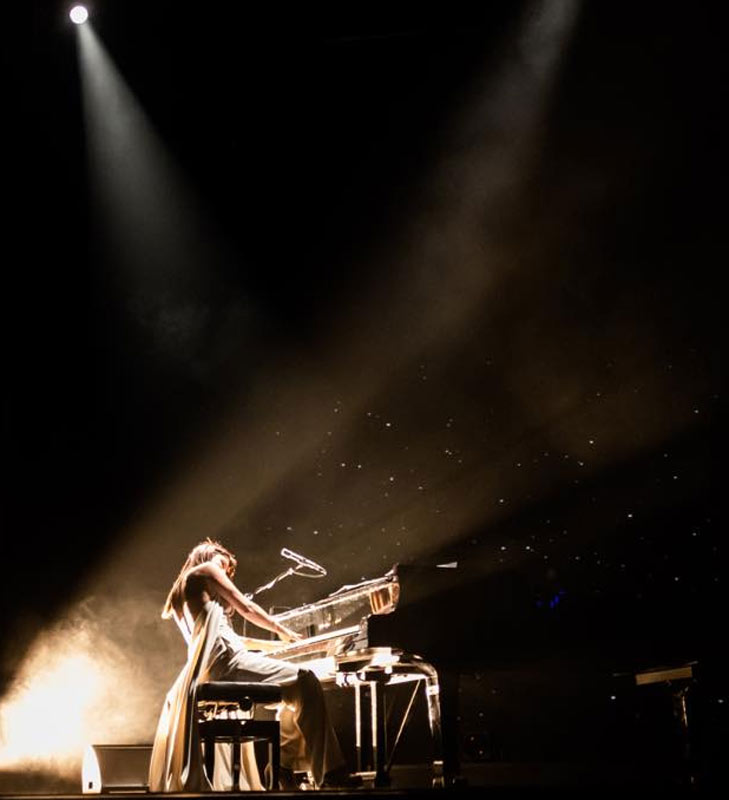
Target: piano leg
x,y
379,740
376,731
449,681
358,725
432,696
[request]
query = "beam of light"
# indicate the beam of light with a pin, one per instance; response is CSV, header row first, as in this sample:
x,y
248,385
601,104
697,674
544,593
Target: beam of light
x,y
78,14
134,184
159,251
455,249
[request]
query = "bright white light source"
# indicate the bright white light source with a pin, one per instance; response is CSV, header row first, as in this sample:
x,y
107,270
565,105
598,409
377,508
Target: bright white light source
x,y
79,14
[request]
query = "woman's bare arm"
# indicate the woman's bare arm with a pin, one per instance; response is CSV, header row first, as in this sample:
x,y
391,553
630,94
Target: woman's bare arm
x,y
220,584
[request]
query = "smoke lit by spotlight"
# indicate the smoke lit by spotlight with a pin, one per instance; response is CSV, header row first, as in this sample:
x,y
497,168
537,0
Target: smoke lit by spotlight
x,y
79,14
77,686
46,717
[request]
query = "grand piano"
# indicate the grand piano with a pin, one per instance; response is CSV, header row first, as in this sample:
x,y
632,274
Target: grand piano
x,y
553,654
375,634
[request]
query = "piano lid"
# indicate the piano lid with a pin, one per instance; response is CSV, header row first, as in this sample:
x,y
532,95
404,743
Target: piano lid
x,y
345,607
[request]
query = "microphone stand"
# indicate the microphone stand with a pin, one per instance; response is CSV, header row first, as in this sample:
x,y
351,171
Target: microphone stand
x,y
279,577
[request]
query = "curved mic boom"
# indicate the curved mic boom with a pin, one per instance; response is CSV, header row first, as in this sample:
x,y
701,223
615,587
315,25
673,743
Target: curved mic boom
x,y
302,561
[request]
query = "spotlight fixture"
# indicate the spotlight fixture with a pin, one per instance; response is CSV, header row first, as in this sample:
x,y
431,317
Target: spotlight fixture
x,y
79,14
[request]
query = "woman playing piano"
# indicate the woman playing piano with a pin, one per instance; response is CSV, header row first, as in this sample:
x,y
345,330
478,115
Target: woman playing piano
x,y
202,601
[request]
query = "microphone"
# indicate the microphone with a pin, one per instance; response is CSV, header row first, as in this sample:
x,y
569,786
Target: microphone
x,y
302,561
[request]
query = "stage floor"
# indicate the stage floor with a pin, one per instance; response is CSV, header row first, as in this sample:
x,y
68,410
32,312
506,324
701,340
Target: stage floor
x,y
449,793
498,780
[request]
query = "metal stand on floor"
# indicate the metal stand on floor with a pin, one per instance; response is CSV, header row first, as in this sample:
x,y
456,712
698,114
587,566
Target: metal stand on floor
x,y
370,703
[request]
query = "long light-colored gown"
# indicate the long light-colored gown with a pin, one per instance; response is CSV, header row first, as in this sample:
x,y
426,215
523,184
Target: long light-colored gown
x,y
216,652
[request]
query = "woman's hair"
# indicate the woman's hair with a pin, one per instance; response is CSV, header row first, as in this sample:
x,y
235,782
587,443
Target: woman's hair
x,y
201,553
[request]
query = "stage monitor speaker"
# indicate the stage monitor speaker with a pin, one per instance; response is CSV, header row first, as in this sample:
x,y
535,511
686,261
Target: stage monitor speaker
x,y
115,768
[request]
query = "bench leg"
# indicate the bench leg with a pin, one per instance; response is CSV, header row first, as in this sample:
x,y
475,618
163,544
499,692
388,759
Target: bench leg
x,y
209,757
236,746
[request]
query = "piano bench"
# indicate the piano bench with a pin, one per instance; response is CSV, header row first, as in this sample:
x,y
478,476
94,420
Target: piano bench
x,y
225,715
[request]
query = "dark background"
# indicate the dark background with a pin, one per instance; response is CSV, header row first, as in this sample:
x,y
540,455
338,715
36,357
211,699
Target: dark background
x,y
559,437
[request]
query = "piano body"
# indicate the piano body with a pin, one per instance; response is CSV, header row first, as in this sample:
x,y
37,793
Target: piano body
x,y
374,634
431,626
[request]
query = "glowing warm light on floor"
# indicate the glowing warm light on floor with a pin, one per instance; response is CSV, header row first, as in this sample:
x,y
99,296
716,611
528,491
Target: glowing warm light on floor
x,y
46,717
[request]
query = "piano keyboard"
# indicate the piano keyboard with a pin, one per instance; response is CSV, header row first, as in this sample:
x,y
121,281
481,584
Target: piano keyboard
x,y
314,644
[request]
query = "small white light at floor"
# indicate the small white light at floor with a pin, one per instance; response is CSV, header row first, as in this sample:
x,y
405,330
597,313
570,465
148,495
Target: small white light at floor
x,y
79,14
